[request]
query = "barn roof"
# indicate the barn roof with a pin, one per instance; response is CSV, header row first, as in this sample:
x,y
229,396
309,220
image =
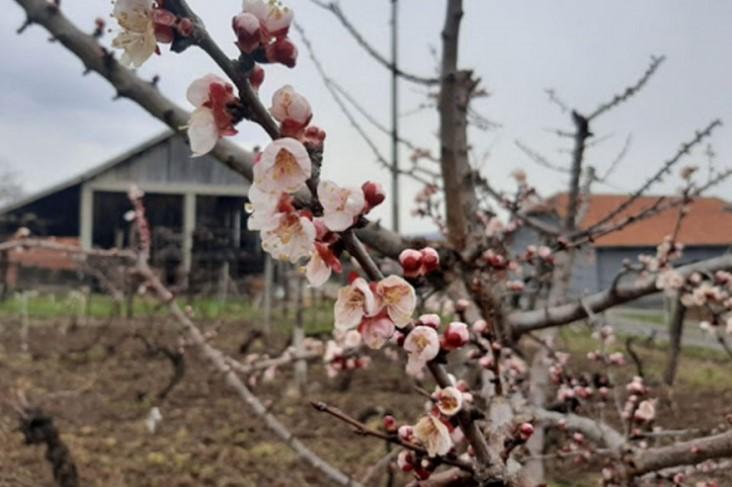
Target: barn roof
x,y
709,222
89,173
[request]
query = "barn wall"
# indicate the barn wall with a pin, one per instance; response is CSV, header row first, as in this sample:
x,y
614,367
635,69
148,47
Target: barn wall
x,y
170,162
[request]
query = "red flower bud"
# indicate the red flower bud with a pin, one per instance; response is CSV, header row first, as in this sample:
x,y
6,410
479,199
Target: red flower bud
x,y
430,259
525,430
390,424
455,336
248,32
411,262
256,77
283,51
373,193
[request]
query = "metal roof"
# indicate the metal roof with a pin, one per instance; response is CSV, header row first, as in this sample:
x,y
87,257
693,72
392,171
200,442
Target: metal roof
x,y
89,173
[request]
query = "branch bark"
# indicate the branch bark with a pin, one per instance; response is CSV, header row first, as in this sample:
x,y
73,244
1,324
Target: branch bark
x,y
461,201
525,321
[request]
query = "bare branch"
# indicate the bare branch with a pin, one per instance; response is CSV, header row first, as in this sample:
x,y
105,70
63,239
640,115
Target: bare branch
x,y
335,9
665,168
683,453
540,159
525,321
656,61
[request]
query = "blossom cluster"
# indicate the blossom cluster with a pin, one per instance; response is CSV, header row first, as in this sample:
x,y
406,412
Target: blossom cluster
x,y
144,24
261,31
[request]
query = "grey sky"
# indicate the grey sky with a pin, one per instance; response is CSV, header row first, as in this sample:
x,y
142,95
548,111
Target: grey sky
x,y
55,123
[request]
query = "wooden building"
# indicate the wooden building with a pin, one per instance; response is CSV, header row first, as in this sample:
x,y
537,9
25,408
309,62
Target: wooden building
x,y
195,207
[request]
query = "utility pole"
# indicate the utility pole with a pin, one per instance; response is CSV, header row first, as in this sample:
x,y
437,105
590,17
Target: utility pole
x,y
394,118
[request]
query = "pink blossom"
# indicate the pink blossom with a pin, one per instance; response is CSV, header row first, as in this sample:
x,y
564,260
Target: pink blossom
x,y
448,400
211,119
137,38
322,262
292,110
422,344
646,411
353,303
398,298
411,262
494,228
434,435
292,239
275,18
376,331
283,166
341,206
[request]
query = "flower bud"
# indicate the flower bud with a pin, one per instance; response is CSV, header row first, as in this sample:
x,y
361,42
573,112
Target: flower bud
x,y
405,433
430,259
313,138
248,32
431,320
256,77
411,262
455,336
283,51
525,430
373,193
390,424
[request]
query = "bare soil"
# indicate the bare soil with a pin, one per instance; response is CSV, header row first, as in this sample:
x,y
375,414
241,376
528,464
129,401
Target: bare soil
x,y
99,387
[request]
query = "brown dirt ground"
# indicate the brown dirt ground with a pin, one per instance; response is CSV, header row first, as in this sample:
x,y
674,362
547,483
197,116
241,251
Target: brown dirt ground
x,y
100,397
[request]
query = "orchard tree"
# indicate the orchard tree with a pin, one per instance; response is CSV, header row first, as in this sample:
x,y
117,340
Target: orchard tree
x,y
482,415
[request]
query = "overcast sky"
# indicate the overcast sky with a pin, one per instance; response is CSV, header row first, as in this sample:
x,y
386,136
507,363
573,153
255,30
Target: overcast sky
x,y
55,123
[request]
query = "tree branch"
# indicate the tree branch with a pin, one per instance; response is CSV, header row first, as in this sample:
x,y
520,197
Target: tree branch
x,y
335,9
525,321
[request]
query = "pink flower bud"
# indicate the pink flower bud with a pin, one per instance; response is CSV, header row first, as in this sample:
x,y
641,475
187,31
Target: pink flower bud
x,y
283,51
461,305
373,194
292,110
313,138
431,320
248,32
411,262
525,430
406,433
405,461
480,327
185,27
390,423
430,259
455,336
256,77
486,361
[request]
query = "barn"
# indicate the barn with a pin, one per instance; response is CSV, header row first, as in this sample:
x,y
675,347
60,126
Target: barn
x,y
196,207
706,232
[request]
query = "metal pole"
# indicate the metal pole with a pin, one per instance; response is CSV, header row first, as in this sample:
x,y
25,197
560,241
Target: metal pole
x,y
394,118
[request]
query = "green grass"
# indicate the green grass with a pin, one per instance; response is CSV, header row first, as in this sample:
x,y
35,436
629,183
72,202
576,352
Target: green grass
x,y
53,307
699,367
653,319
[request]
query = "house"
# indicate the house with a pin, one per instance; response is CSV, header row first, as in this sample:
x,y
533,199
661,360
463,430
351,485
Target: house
x,y
706,232
195,207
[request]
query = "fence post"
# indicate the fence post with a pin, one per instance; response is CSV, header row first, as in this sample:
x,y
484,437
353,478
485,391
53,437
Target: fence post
x,y
268,288
298,335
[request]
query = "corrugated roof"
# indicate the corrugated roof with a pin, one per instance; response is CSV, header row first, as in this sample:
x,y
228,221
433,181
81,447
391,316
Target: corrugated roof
x,y
709,221
90,173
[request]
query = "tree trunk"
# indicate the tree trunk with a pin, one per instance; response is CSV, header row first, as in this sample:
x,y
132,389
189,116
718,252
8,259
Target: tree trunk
x,y
675,331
